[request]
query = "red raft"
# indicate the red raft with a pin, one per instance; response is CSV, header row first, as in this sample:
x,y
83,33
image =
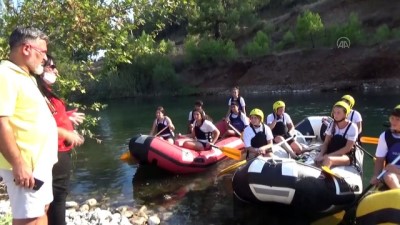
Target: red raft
x,y
175,158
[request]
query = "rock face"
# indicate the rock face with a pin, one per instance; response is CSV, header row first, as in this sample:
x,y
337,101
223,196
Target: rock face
x,y
325,69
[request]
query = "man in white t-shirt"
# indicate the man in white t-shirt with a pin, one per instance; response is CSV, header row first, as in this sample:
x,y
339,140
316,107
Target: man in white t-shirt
x,y
387,151
340,137
282,128
257,137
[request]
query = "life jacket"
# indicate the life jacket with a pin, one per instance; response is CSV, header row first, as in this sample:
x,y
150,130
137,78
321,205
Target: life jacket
x,y
260,139
162,125
237,122
393,145
338,141
238,101
280,126
200,135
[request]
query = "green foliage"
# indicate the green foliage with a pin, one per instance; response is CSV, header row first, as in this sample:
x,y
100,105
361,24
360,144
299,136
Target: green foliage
x,y
396,33
223,18
287,41
258,46
352,29
6,219
209,50
383,33
308,25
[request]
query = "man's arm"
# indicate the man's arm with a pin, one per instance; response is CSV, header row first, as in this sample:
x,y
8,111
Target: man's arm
x,y
22,172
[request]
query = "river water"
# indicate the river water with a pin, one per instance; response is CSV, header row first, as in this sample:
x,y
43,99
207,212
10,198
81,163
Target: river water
x,y
200,198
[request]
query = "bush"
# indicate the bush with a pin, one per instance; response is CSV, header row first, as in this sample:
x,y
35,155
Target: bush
x,y
383,33
352,30
258,46
308,26
207,49
288,40
396,33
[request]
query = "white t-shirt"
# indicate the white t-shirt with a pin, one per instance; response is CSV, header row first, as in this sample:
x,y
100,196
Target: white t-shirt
x,y
356,117
243,117
286,117
382,149
241,100
248,134
206,127
351,134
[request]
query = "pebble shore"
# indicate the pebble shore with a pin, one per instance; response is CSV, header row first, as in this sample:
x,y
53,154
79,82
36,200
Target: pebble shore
x,y
91,213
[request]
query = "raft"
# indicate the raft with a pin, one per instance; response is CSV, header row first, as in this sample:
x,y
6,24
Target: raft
x,y
175,158
379,208
299,185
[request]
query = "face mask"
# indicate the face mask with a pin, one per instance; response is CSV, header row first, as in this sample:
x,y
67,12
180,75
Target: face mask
x,y
49,78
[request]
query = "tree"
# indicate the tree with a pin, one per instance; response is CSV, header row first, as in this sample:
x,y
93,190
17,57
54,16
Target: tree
x,y
308,25
222,18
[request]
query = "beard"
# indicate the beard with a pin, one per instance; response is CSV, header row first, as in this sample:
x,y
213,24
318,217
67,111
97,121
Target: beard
x,y
38,70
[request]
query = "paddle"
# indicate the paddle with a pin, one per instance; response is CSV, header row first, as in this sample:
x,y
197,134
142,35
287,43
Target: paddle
x,y
365,151
349,216
369,140
128,158
230,152
233,167
234,129
329,171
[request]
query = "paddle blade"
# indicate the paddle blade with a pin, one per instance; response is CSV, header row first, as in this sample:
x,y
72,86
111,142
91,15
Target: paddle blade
x,y
329,171
369,140
128,158
232,152
231,168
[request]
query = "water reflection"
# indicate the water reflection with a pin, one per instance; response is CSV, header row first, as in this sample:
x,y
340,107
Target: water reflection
x,y
199,198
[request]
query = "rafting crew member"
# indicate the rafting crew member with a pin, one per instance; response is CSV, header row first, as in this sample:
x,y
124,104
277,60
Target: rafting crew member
x,y
198,104
163,126
340,137
204,132
282,128
387,150
354,116
237,119
257,135
236,97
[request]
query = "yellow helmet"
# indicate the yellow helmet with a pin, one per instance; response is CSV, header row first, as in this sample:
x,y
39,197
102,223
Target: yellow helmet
x,y
343,105
257,112
350,99
277,105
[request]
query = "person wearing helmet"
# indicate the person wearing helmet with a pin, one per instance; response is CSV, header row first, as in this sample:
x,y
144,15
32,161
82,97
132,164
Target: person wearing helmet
x,y
240,100
387,150
354,116
282,127
257,135
340,137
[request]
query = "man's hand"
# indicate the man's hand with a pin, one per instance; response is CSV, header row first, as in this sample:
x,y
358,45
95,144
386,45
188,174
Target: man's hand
x,y
23,174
